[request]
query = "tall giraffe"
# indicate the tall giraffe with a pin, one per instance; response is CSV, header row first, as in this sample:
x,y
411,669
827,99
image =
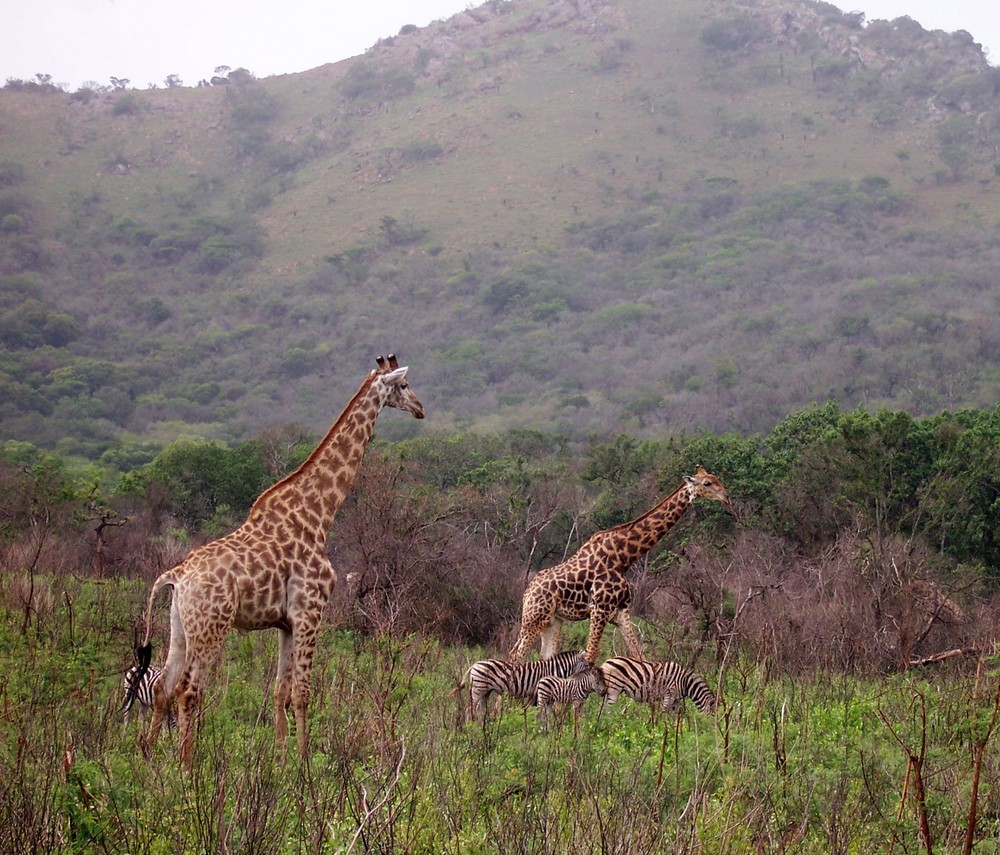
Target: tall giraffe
x,y
272,572
592,584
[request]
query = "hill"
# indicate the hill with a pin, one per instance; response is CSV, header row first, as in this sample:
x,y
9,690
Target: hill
x,y
584,216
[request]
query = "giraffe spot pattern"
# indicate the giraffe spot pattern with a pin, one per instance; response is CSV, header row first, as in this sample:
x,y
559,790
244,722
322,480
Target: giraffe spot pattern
x,y
270,572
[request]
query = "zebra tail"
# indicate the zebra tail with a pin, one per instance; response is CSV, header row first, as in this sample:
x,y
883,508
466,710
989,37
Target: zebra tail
x,y
458,689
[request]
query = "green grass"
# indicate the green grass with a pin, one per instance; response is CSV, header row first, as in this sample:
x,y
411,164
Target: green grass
x,y
788,764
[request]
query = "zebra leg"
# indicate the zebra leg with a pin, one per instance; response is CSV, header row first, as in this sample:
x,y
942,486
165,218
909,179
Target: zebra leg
x,y
477,700
671,701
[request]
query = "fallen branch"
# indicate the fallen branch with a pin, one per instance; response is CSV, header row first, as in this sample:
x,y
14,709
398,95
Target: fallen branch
x,y
947,654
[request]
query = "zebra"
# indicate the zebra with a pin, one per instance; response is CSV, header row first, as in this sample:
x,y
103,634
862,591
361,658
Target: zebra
x,y
518,679
568,690
667,682
143,693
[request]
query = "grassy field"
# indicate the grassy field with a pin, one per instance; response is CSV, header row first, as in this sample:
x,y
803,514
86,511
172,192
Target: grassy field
x,y
826,764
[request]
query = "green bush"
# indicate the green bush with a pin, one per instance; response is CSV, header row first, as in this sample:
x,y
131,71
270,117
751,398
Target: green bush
x,y
733,33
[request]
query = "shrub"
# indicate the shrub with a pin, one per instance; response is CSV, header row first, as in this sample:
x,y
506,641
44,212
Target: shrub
x,y
127,104
733,33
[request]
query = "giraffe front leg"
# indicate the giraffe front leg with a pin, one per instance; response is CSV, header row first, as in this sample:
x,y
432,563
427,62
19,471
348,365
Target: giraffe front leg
x,y
628,633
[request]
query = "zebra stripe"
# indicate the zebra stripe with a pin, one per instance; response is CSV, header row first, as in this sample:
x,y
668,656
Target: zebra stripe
x,y
143,694
667,682
518,679
568,690
143,690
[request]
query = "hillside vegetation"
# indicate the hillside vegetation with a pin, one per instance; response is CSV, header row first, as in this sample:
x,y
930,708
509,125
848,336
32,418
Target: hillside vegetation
x,y
584,216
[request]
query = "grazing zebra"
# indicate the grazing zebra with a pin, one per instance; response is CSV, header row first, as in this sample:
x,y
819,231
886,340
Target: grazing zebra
x,y
667,682
568,690
518,679
143,693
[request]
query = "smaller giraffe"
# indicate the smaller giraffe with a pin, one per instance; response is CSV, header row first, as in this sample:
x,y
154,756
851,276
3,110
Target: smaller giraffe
x,y
592,583
271,573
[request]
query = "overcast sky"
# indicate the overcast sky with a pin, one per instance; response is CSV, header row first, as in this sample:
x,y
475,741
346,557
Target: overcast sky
x,y
144,41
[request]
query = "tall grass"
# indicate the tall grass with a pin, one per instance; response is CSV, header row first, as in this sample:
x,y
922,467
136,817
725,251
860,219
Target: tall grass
x,y
823,763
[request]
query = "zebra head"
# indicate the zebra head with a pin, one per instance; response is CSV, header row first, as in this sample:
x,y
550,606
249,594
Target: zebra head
x,y
595,680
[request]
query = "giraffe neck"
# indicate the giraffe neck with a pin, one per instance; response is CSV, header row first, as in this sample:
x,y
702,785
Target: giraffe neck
x,y
313,493
634,539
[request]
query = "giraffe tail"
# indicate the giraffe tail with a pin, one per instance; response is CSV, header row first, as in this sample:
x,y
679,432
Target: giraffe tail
x,y
144,651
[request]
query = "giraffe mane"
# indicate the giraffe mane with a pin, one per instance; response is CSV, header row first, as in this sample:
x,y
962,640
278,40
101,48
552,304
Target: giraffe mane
x,y
365,386
652,510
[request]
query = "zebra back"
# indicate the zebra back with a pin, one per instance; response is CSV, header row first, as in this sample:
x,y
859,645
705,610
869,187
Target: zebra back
x,y
564,690
667,682
519,679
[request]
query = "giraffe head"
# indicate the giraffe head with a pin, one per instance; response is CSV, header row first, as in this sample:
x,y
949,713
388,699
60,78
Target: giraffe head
x,y
394,390
706,485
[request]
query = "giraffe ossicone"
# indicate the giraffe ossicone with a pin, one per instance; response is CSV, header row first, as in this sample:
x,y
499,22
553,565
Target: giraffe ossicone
x,y
591,583
270,573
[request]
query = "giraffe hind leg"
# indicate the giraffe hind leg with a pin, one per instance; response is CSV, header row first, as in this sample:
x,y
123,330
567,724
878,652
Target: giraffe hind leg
x,y
551,638
527,637
188,714
283,691
305,647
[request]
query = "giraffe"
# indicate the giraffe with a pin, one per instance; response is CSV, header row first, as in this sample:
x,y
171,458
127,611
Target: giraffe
x,y
271,572
592,584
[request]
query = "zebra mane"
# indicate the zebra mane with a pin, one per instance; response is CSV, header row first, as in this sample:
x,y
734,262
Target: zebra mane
x,y
696,687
